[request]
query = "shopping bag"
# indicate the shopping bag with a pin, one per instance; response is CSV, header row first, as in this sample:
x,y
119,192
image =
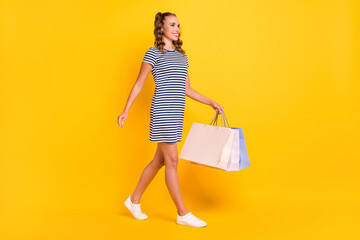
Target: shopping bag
x,y
205,144
234,163
244,157
239,155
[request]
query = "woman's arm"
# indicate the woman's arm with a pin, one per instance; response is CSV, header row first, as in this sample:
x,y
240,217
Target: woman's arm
x,y
136,89
192,93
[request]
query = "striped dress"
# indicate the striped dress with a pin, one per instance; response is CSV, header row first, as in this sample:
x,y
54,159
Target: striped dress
x,y
168,102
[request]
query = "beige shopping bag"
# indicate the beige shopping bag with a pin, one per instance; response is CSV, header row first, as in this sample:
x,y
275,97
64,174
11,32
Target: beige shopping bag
x,y
209,145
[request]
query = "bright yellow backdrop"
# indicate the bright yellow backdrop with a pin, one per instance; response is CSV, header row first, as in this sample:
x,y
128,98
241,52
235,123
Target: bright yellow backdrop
x,y
287,72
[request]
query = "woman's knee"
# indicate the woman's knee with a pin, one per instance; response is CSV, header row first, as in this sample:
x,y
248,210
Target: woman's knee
x,y
158,158
171,162
170,154
158,164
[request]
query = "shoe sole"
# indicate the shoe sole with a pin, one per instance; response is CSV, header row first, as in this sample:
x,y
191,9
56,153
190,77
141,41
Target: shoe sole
x,y
186,224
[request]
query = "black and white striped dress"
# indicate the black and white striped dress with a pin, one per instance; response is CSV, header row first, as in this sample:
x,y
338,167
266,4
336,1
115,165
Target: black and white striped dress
x,y
168,103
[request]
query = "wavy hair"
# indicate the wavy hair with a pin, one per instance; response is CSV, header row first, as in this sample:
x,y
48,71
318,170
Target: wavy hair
x,y
158,24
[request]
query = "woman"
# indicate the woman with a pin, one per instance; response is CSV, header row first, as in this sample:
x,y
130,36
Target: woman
x,y
168,64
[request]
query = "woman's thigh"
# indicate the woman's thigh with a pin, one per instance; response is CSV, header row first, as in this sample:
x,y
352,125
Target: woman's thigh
x,y
170,153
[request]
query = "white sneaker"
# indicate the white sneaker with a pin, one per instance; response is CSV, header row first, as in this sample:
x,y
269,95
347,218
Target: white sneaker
x,y
190,220
135,209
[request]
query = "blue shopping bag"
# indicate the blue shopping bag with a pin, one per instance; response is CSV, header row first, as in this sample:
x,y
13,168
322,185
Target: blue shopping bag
x,y
244,157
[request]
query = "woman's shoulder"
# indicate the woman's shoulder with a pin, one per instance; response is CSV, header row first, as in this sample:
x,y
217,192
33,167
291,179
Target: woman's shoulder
x,y
153,48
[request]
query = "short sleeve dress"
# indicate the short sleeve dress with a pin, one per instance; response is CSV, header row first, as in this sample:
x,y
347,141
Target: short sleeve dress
x,y
168,102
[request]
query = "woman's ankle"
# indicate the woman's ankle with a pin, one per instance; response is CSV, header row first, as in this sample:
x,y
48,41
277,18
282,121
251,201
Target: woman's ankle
x,y
134,201
183,212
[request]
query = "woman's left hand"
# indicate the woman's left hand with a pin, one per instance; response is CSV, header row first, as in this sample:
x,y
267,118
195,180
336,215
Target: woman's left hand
x,y
217,107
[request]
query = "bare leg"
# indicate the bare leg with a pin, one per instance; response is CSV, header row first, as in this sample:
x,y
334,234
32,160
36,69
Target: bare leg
x,y
148,175
170,154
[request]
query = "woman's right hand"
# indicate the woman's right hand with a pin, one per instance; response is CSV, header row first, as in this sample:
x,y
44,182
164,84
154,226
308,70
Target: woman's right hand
x,y
121,119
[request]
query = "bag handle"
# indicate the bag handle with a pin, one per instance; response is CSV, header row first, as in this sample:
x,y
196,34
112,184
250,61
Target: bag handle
x,y
223,119
213,120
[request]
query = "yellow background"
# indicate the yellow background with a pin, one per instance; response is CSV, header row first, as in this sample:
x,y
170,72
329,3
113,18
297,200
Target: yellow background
x,y
287,72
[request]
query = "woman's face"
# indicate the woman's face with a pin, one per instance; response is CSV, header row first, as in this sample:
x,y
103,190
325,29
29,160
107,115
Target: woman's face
x,y
171,28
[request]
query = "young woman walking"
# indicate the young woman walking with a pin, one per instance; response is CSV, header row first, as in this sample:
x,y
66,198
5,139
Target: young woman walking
x,y
168,63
